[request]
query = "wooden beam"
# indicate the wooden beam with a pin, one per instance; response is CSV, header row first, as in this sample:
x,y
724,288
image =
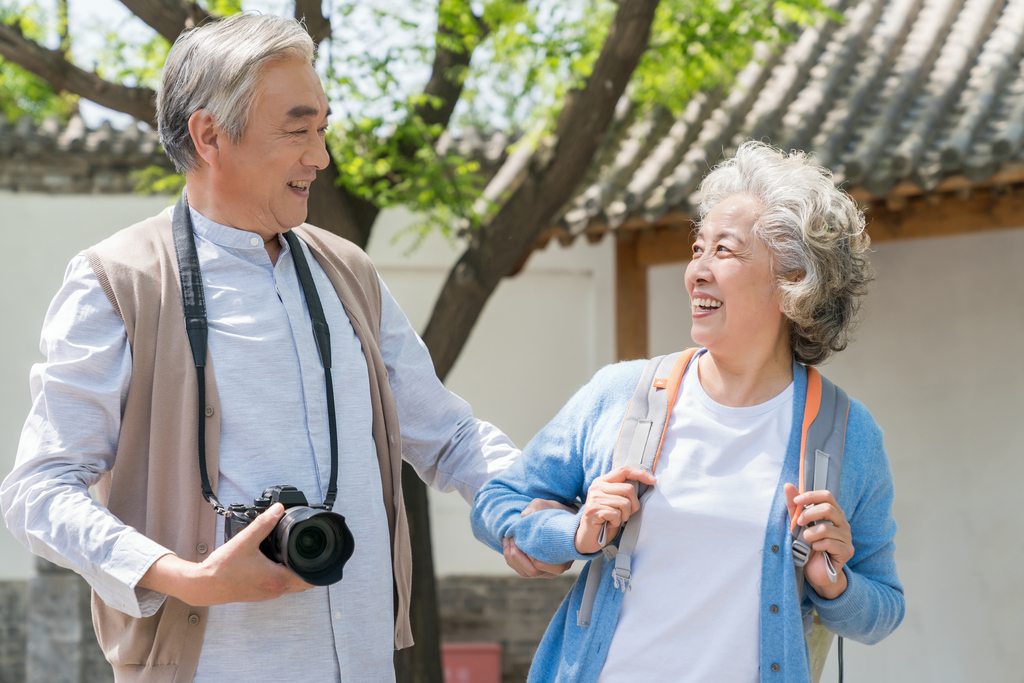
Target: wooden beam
x,y
631,323
664,246
983,209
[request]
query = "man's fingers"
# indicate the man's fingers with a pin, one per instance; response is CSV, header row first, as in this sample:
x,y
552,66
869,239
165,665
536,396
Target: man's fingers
x,y
261,527
538,504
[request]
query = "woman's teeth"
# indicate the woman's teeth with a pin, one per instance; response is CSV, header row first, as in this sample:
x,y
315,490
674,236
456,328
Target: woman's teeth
x,y
706,303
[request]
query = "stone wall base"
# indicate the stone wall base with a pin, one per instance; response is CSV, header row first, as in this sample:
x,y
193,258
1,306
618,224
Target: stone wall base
x,y
54,641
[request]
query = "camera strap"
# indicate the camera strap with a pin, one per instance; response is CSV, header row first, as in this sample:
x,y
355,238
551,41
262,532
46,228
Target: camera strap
x,y
194,304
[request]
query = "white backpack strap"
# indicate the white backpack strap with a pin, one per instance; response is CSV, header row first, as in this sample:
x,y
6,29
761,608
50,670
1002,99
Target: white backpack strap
x,y
638,445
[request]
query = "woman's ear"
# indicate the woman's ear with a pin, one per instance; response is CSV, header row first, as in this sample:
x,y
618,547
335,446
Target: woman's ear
x,y
206,137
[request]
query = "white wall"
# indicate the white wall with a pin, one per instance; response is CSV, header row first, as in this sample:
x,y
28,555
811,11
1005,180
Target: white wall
x,y
542,334
938,361
41,234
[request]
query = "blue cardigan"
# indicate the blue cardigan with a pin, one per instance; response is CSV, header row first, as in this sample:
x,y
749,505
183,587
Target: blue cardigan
x,y
576,447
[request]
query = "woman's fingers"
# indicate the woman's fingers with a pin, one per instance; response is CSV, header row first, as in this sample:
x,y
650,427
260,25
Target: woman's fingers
x,y
611,500
819,506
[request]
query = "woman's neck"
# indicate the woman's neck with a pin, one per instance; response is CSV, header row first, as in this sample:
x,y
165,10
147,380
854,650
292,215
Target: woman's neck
x,y
746,379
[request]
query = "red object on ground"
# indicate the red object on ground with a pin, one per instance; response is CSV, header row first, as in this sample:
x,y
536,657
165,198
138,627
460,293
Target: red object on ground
x,y
471,662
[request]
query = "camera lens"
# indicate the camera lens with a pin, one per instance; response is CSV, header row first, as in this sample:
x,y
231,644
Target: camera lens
x,y
315,544
311,544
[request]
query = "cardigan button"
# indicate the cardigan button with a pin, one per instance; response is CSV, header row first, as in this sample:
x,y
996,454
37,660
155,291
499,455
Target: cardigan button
x,y
775,548
774,609
201,548
209,411
193,619
775,667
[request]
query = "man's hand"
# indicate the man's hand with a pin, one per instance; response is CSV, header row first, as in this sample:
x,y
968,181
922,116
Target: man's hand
x,y
526,566
610,499
235,572
834,538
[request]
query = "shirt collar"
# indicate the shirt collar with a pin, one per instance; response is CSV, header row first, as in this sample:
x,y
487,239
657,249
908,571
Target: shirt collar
x,y
223,235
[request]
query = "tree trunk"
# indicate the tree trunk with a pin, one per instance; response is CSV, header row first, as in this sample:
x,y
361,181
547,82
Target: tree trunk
x,y
420,663
332,208
504,242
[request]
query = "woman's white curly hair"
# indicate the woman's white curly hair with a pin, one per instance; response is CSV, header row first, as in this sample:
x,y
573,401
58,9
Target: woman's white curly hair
x,y
815,233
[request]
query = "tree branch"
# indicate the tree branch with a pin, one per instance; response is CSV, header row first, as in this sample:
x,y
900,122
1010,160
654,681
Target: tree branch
x,y
168,17
53,66
500,245
317,25
441,84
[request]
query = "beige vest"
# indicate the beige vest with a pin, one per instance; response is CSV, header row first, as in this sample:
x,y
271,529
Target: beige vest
x,y
154,485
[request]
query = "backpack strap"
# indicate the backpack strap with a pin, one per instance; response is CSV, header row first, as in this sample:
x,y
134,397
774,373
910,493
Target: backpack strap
x,y
821,450
639,445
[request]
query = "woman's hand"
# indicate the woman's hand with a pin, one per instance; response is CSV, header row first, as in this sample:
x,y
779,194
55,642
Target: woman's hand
x,y
524,565
610,499
835,539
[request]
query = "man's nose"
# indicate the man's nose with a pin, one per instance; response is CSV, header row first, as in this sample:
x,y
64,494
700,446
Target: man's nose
x,y
316,154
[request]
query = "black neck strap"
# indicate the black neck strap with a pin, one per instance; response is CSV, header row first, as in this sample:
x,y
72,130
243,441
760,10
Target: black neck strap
x,y
197,329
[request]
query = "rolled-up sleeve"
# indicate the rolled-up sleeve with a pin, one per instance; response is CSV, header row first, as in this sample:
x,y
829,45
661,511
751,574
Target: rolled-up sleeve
x,y
69,442
449,448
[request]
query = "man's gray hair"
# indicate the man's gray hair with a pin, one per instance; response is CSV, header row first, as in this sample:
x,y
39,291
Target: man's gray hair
x,y
815,234
217,67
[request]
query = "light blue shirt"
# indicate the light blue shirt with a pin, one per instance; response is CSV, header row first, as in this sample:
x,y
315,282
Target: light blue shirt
x,y
273,431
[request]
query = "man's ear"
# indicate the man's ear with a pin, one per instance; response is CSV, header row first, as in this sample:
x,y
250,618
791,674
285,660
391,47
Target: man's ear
x,y
206,137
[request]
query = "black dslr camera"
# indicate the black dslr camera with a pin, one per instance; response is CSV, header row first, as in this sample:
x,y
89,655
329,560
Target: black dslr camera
x,y
312,541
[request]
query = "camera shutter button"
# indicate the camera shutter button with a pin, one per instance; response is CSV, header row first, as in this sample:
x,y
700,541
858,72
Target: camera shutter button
x,y
201,548
193,619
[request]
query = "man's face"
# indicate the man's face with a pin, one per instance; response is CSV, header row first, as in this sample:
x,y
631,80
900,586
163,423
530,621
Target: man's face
x,y
266,175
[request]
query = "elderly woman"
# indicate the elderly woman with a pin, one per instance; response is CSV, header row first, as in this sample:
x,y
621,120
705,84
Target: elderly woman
x,y
777,273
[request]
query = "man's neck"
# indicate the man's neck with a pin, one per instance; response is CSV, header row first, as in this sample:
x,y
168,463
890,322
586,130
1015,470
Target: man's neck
x,y
203,198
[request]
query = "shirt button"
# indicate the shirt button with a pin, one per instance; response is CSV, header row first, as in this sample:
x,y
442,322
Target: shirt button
x,y
337,615
201,549
775,548
774,608
193,619
209,411
254,241
775,667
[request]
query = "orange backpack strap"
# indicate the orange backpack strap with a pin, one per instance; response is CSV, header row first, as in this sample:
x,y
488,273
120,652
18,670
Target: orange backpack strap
x,y
639,444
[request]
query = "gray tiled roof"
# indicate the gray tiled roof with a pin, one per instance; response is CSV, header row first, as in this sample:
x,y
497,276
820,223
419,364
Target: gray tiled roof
x,y
898,98
73,159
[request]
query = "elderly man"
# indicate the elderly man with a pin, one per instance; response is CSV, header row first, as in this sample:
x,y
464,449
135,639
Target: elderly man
x,y
117,406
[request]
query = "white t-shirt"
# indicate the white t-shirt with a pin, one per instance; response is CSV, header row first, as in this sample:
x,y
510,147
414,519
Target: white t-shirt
x,y
693,611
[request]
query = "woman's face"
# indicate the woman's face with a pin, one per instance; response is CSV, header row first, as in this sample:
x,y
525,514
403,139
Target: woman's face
x,y
733,297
